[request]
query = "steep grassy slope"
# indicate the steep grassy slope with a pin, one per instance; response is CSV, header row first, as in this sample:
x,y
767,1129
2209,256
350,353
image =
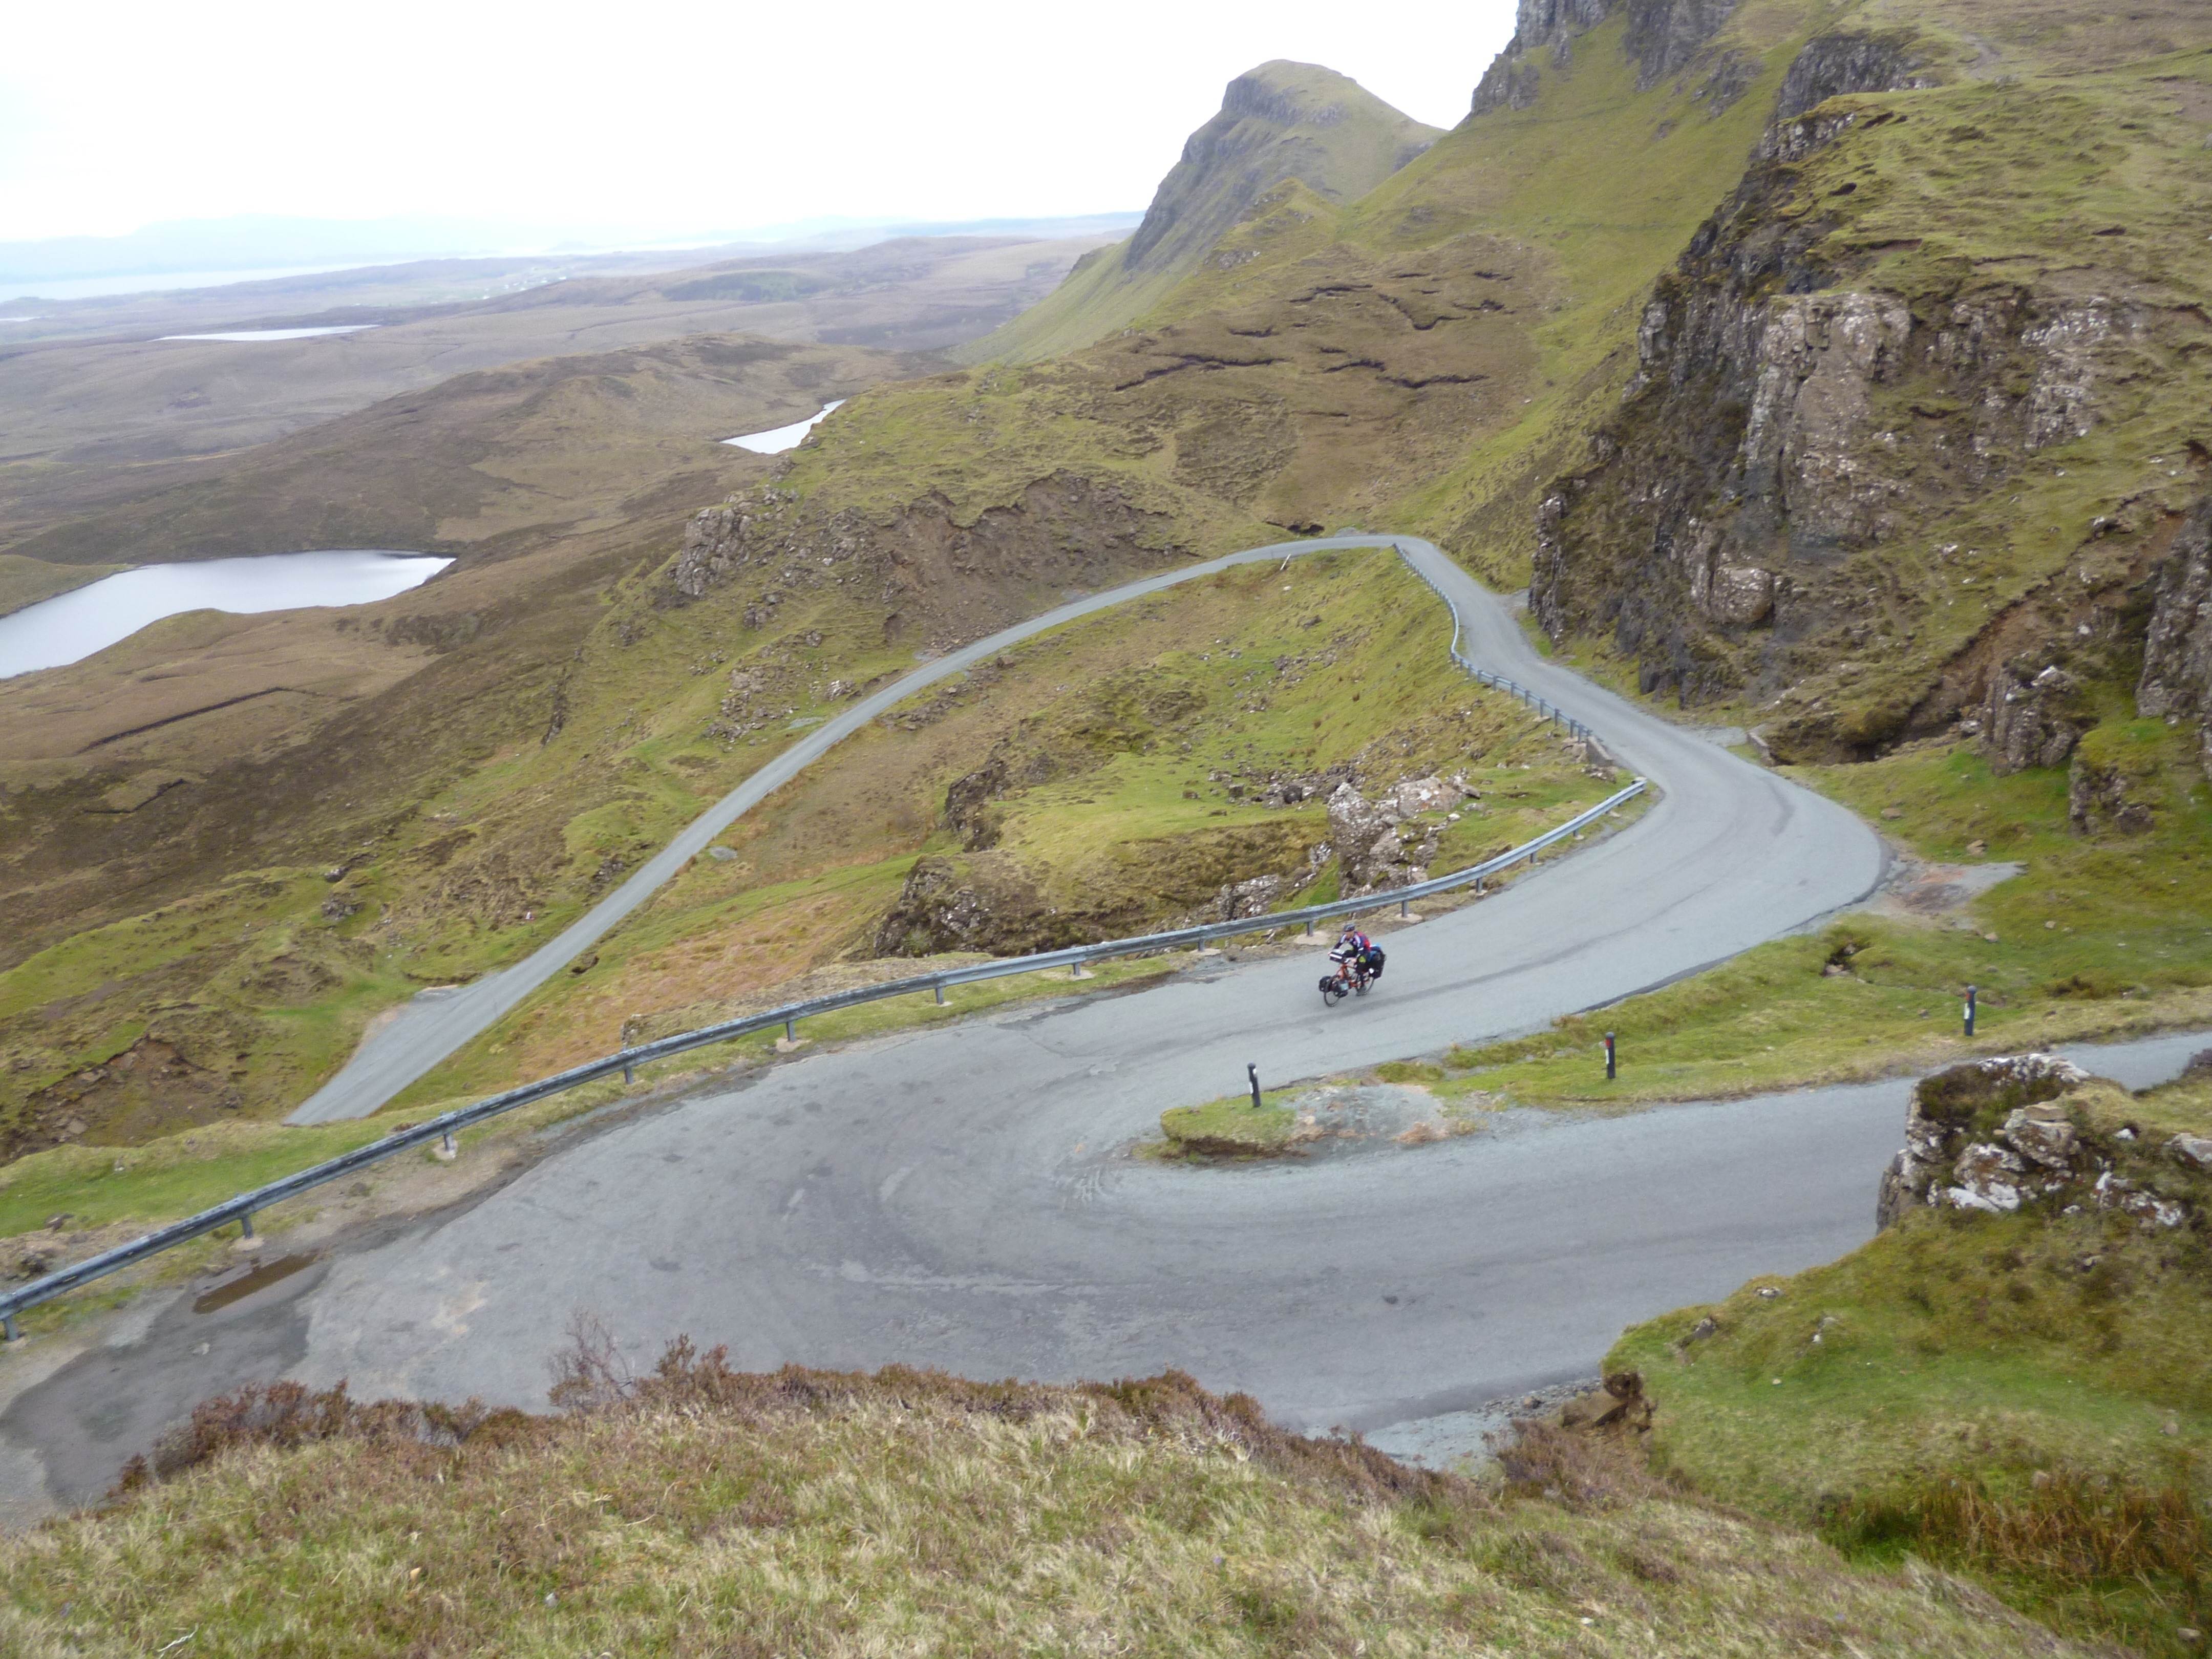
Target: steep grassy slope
x,y
2026,1397
1426,357
830,1515
1280,122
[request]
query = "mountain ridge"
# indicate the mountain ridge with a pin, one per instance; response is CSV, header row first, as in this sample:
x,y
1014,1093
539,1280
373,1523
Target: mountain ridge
x,y
1278,122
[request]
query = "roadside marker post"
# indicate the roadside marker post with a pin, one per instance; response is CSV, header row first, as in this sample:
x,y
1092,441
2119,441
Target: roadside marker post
x,y
1609,1072
1970,1011
1252,1071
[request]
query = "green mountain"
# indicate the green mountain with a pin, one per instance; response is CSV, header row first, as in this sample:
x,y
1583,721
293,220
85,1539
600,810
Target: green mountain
x,y
1278,122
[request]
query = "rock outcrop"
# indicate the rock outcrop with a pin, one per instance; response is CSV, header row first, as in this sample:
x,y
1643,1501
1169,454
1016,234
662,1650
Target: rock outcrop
x,y
2177,671
2034,716
2111,786
1390,840
942,580
1835,66
1995,1134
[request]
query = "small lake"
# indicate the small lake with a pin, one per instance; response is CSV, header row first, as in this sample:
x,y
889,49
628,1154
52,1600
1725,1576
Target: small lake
x,y
783,437
278,334
71,626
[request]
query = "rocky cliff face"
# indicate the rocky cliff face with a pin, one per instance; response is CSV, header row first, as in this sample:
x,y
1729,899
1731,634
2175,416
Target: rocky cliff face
x,y
2177,673
1801,425
1661,37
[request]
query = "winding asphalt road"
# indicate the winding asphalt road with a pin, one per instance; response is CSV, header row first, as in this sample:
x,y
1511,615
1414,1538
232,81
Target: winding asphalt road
x,y
442,1021
958,1197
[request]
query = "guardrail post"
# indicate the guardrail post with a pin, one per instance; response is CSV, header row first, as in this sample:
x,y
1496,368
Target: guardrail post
x,y
941,996
629,1075
790,1030
246,1224
8,1328
446,1144
1403,911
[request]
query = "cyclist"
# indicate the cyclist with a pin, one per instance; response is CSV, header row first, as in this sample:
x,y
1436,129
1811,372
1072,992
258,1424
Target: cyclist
x,y
1352,953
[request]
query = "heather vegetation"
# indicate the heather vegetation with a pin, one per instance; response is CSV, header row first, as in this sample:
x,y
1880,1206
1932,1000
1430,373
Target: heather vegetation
x,y
697,1509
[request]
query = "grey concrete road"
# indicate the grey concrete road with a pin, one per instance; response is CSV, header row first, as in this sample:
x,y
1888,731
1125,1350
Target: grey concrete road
x,y
934,1223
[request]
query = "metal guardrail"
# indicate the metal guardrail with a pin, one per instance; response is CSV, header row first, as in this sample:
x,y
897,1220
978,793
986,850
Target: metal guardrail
x,y
242,1208
1552,712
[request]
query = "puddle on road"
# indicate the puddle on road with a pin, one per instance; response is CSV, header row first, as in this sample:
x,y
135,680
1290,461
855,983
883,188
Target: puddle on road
x,y
268,1274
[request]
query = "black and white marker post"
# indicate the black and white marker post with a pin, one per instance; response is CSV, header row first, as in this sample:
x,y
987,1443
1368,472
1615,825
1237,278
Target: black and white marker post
x,y
1252,1070
1970,1011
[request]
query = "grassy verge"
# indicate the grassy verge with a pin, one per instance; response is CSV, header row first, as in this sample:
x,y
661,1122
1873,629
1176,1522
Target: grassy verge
x,y
1231,1127
2027,1397
2099,935
806,1512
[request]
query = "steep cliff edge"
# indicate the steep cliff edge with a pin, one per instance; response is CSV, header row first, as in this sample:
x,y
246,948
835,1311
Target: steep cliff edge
x,y
1916,417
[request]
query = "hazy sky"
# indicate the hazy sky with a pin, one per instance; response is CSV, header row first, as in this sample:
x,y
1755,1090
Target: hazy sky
x,y
666,115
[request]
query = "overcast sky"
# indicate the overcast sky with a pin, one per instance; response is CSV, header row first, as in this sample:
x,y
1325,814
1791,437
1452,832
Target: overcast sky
x,y
661,115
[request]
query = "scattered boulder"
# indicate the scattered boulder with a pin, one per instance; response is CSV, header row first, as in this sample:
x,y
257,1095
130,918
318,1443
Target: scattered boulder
x,y
2043,1133
1619,1407
1257,897
1942,1162
2195,1152
1415,796
2116,1192
1986,1177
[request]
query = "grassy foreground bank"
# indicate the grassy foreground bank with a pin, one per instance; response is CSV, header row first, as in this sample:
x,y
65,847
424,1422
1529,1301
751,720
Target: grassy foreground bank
x,y
701,1510
2026,1397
